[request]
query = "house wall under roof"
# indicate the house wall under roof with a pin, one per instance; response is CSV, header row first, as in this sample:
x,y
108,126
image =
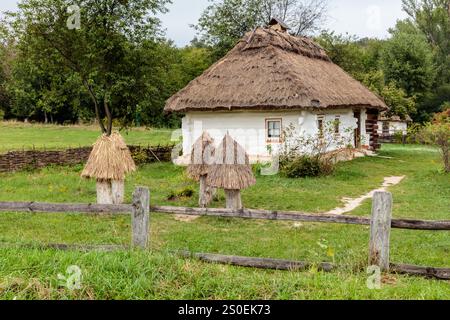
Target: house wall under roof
x,y
250,128
394,127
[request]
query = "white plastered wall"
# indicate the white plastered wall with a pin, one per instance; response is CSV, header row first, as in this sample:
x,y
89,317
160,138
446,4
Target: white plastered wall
x,y
394,127
249,128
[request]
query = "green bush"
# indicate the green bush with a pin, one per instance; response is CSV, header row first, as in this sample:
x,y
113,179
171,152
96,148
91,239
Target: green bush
x,y
140,156
187,192
303,166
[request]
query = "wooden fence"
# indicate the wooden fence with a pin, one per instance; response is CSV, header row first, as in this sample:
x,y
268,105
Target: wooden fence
x,y
34,159
380,223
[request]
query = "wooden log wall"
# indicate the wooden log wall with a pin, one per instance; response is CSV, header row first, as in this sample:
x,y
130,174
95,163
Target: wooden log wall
x,y
372,129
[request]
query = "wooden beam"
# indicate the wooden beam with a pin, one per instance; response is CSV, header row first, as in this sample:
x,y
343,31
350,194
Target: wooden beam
x,y
380,230
429,272
140,218
65,208
259,263
263,215
66,247
442,225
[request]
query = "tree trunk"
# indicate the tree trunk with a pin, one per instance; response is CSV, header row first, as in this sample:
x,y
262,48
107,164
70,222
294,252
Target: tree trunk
x,y
234,201
118,191
104,192
206,193
446,161
109,121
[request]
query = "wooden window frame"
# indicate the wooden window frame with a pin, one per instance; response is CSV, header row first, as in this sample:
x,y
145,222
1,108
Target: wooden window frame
x,y
337,125
320,118
274,140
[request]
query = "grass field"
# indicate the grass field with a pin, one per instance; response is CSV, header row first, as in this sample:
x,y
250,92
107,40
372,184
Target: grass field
x,y
158,274
18,136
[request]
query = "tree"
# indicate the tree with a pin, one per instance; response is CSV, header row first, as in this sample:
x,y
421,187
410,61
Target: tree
x,y
4,99
224,22
41,90
408,61
432,18
400,104
438,133
102,52
344,51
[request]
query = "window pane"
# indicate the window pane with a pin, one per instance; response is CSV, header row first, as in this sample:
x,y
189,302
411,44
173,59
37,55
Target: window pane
x,y
271,125
274,129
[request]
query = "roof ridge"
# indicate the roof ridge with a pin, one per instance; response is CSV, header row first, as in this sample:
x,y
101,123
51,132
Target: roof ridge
x,y
299,45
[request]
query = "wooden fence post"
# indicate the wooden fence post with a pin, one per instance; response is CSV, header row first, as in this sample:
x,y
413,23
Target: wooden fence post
x,y
140,218
380,230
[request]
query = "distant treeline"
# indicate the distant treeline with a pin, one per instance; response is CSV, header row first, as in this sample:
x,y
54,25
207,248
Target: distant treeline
x,y
119,67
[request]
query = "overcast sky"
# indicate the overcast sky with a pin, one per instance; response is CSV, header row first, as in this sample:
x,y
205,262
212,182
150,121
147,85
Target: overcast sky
x,y
363,18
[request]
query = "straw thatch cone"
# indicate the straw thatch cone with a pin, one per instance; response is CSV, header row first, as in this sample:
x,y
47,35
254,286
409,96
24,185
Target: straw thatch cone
x,y
231,171
202,157
109,162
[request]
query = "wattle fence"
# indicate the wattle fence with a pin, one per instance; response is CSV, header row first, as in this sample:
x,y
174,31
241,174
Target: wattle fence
x,y
380,223
35,159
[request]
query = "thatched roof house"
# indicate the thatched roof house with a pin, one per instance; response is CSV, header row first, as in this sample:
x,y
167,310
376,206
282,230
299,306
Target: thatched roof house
x,y
389,125
281,77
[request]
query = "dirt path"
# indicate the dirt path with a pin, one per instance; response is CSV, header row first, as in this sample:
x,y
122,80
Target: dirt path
x,y
351,204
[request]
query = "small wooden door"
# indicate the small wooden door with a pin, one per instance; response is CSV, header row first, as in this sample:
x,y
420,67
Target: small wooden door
x,y
357,134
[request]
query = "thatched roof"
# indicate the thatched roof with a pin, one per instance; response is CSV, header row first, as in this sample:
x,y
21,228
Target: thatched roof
x,y
268,70
110,159
232,168
394,118
202,156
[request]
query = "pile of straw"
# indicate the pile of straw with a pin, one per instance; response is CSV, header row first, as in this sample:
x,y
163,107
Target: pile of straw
x,y
232,170
202,157
110,159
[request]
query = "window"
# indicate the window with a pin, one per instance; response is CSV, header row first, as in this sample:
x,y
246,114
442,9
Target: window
x,y
386,129
273,127
337,125
320,124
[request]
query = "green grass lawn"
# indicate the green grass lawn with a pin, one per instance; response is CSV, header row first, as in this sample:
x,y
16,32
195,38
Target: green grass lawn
x,y
158,274
18,136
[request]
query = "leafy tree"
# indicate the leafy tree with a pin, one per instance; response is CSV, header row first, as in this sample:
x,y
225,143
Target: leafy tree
x,y
432,18
361,59
40,90
407,60
438,133
102,53
434,101
4,99
344,51
400,104
224,22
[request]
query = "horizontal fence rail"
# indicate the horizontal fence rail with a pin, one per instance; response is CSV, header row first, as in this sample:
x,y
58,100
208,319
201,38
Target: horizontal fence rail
x,y
303,217
225,213
65,207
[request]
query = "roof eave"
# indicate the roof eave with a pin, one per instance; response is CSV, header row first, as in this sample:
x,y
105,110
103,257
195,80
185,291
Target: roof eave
x,y
274,108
